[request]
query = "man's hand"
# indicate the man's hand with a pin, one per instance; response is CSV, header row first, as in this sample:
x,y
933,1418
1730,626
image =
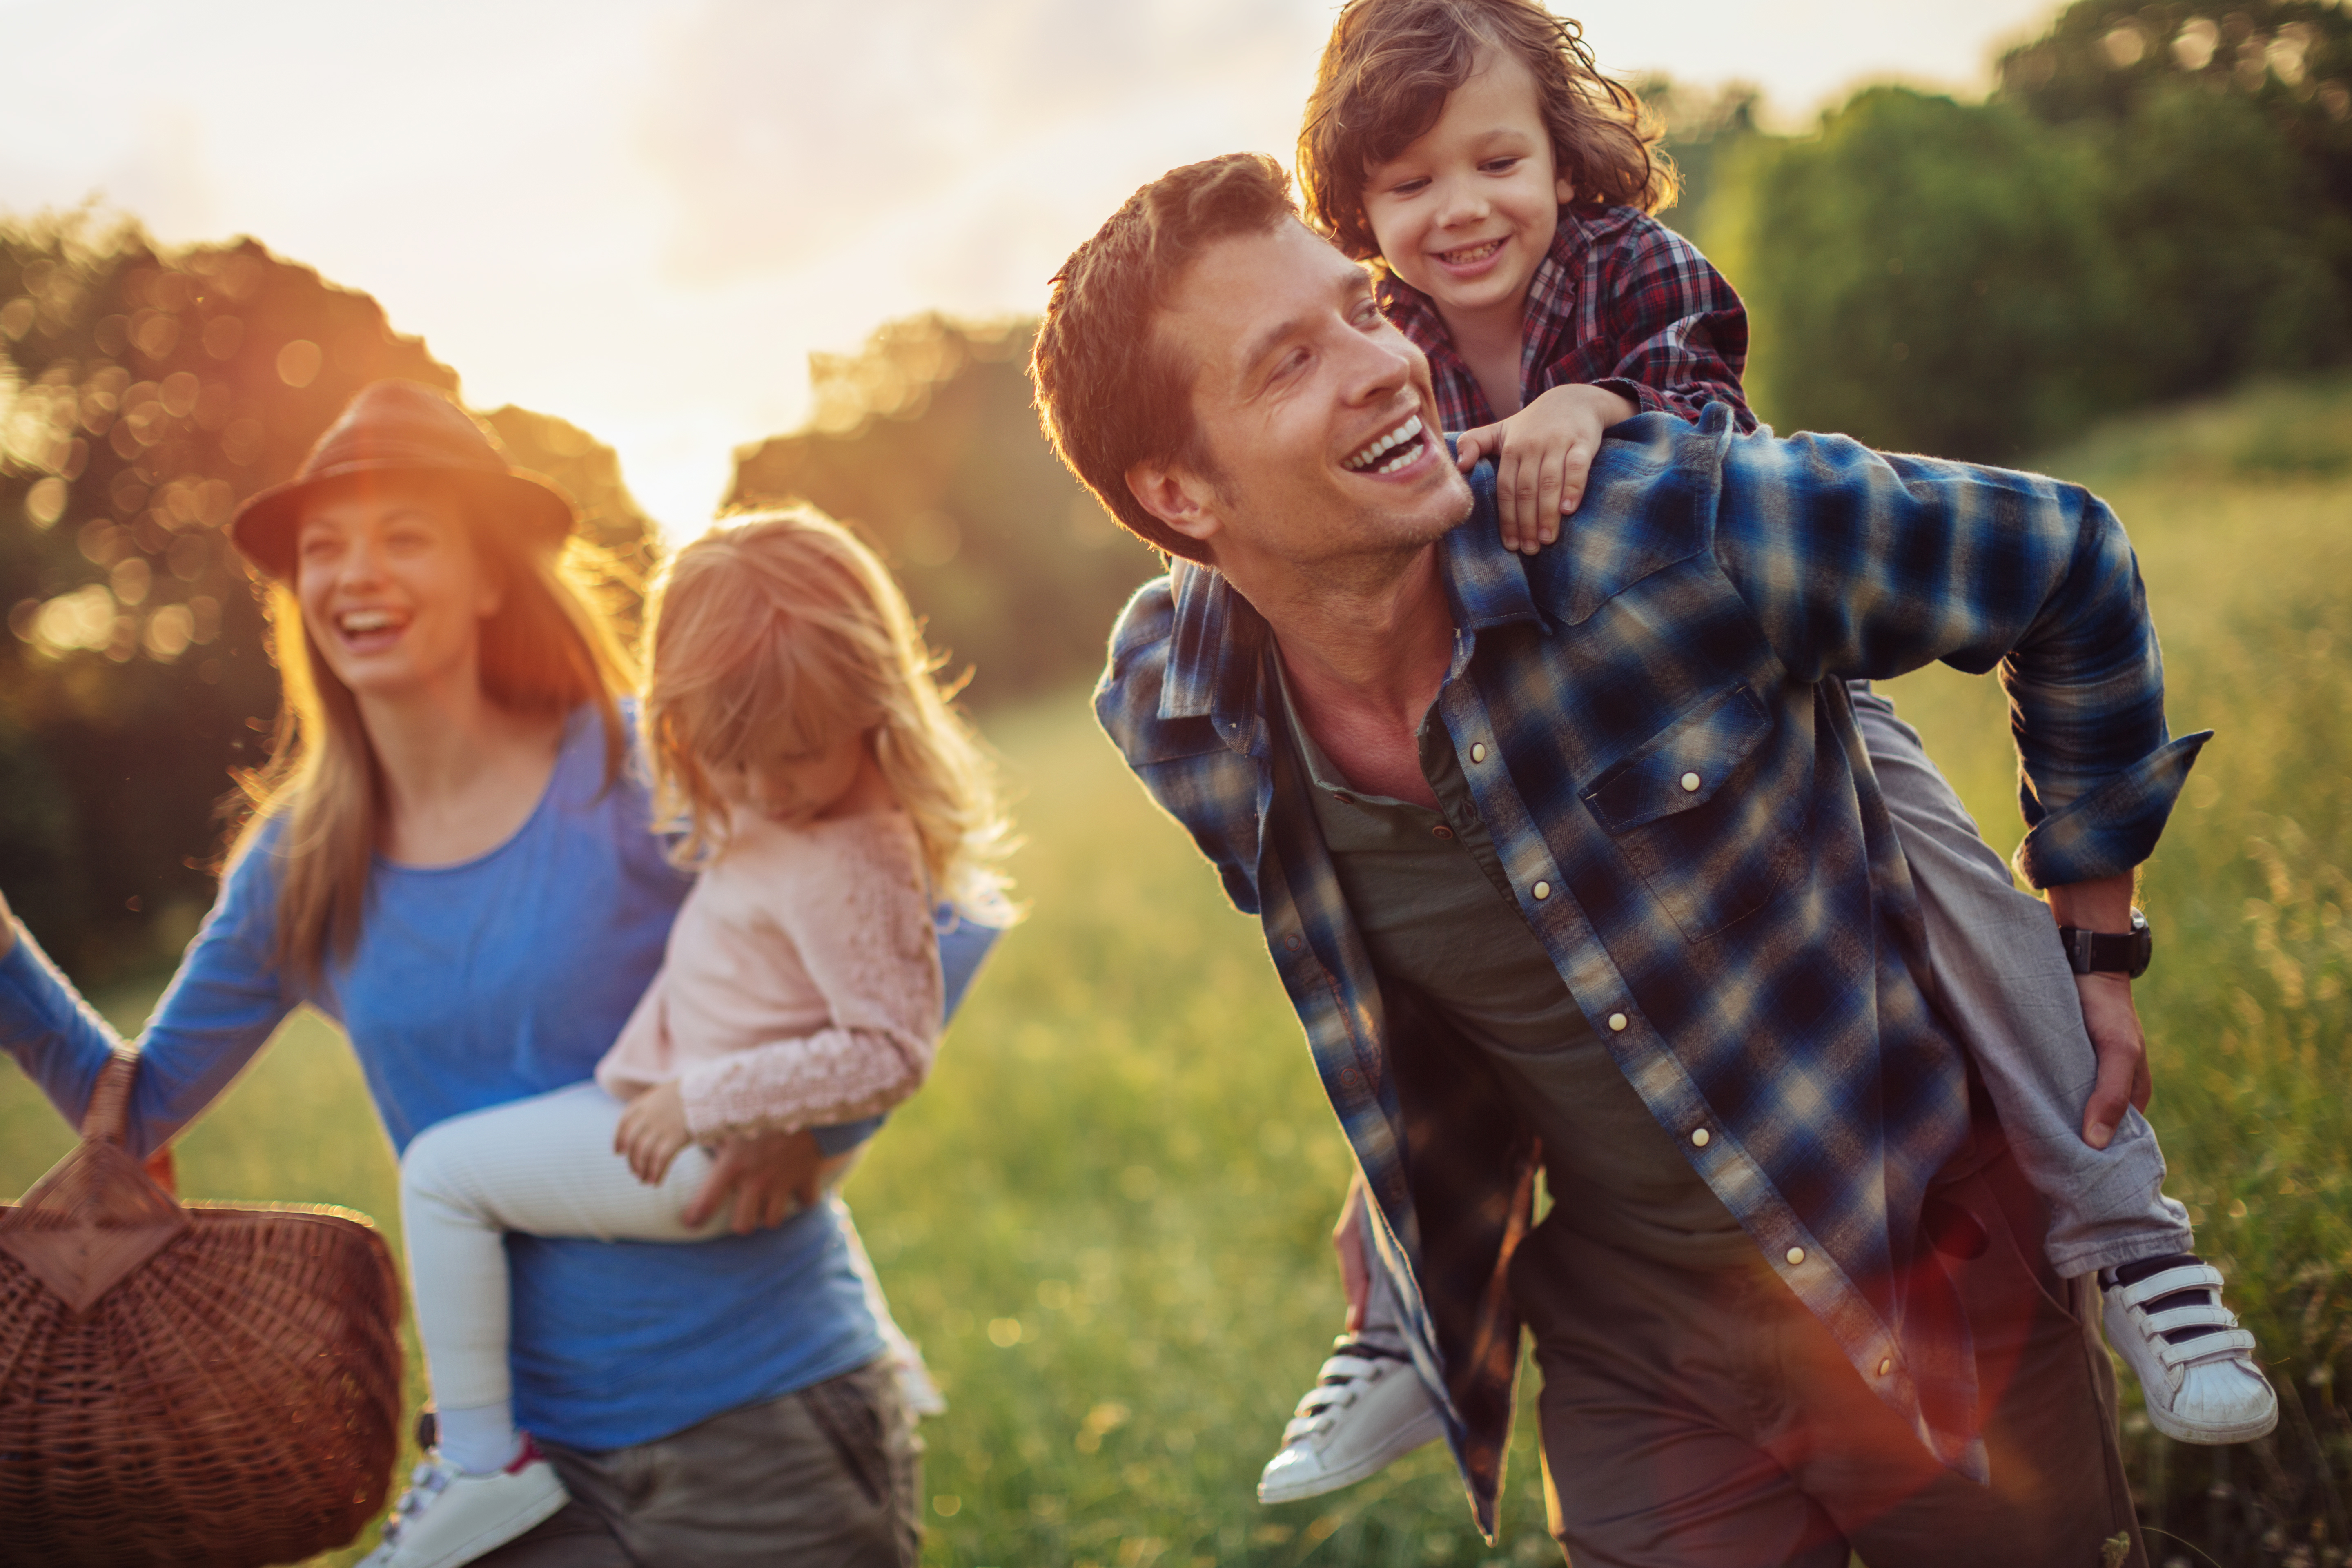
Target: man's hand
x,y
1348,1241
2106,905
1543,455
772,1175
652,1131
7,928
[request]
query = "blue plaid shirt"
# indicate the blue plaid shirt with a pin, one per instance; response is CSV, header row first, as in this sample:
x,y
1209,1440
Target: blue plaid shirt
x,y
1652,717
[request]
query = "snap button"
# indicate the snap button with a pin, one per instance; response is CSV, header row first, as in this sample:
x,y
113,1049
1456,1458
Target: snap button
x,y
1478,751
1442,831
1294,941
1542,891
1796,1255
1700,1138
1885,1365
1617,1022
1690,781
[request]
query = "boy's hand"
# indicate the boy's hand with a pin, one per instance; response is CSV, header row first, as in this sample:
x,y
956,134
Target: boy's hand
x,y
1543,455
652,1131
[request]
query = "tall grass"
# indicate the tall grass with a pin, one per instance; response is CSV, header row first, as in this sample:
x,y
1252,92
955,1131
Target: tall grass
x,y
1104,1218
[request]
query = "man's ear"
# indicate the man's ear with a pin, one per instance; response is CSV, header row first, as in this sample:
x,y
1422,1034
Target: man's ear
x,y
1177,496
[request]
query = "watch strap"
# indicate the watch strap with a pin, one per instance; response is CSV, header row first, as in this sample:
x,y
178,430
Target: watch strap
x,y
2109,952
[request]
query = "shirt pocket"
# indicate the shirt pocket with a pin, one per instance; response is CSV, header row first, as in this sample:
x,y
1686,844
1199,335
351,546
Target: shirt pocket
x,y
1687,812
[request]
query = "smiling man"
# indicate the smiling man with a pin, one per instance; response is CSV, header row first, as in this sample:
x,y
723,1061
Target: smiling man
x,y
1577,858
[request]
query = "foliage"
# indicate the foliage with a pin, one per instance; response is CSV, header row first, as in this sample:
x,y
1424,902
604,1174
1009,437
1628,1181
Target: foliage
x,y
2155,205
142,395
926,443
1104,1218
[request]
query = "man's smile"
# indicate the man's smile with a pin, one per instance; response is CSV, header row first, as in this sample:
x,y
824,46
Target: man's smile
x,y
1407,442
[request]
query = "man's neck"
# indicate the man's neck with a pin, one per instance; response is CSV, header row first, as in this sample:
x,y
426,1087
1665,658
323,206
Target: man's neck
x,y
1365,651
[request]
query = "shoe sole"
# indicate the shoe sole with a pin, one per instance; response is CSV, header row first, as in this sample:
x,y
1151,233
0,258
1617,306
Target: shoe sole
x,y
1422,1429
492,1537
2181,1431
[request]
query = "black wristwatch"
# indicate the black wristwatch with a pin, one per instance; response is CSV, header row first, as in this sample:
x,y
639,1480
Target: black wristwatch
x,y
2105,952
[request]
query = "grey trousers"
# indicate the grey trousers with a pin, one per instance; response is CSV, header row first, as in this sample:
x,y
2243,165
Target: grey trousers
x,y
828,1476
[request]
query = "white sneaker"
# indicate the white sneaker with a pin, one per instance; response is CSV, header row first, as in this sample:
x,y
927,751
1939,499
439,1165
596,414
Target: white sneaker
x,y
446,1517
2202,1385
1363,1413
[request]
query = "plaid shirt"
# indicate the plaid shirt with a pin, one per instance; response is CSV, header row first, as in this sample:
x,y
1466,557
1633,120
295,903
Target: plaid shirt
x,y
1619,302
1652,717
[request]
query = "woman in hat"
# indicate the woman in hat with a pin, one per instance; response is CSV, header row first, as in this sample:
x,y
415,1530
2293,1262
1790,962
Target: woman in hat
x,y
450,858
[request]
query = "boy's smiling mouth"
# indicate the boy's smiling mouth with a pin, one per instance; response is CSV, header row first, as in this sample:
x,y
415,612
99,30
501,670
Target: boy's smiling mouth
x,y
1470,255
1400,447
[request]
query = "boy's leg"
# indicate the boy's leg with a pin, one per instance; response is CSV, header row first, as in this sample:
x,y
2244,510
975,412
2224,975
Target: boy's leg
x,y
2005,987
1368,1407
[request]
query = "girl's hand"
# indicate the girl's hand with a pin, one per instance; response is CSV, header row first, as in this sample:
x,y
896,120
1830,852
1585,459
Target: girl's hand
x,y
1543,455
652,1131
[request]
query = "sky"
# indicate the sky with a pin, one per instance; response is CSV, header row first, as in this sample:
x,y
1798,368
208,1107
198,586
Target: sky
x,y
644,214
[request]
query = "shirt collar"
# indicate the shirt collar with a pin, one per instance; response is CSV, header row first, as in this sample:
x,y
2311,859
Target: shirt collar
x,y
1219,638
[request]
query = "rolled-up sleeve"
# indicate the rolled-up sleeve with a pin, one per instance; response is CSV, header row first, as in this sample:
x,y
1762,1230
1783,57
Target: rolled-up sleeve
x,y
1860,563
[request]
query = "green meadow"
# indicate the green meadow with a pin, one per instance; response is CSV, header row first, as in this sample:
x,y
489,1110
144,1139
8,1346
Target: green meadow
x,y
1104,1219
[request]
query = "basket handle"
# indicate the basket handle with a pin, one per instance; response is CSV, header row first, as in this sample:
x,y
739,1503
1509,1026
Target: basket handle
x,y
107,1119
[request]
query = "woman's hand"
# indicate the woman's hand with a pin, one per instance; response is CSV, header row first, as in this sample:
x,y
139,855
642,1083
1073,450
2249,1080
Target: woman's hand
x,y
772,1175
652,1131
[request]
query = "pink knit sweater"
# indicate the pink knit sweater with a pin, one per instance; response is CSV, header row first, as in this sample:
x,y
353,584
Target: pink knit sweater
x,y
801,986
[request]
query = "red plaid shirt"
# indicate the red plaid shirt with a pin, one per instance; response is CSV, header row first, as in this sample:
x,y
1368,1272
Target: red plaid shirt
x,y
1619,301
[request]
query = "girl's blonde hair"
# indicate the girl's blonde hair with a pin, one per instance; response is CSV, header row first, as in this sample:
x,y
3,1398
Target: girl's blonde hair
x,y
547,650
779,630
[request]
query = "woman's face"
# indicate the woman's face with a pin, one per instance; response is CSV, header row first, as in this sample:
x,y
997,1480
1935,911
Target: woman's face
x,y
391,590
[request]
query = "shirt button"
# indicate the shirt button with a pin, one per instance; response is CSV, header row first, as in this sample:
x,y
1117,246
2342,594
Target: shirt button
x,y
1885,1365
1796,1255
1478,751
1542,891
1617,1022
1690,781
1700,1138
1442,831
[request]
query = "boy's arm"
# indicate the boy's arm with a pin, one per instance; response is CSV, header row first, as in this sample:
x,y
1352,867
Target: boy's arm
x,y
1542,456
1674,335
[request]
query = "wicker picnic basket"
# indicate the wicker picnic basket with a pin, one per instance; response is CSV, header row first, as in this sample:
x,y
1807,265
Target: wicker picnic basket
x,y
212,1385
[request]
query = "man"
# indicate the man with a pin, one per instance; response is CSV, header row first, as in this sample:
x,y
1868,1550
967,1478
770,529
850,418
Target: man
x,y
1790,1300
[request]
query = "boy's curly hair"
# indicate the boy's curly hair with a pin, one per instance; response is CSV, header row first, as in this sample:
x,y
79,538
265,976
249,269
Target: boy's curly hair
x,y
1389,66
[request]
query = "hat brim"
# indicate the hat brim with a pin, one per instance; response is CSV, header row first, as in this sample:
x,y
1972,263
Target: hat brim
x,y
262,530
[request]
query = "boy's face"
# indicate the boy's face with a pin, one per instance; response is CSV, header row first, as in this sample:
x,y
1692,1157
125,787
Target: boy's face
x,y
1465,213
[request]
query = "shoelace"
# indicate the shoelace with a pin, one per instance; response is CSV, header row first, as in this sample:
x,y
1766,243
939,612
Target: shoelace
x,y
2180,1295
1337,1384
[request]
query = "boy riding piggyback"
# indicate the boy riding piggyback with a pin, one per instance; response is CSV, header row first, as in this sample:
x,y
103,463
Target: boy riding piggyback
x,y
1499,187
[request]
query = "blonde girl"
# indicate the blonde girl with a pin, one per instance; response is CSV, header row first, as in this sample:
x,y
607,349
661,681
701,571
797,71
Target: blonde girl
x,y
831,803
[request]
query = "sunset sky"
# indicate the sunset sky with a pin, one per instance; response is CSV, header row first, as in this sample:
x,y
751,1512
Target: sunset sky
x,y
643,216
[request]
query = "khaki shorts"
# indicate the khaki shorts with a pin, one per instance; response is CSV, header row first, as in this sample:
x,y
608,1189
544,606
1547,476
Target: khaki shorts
x,y
829,1477
1706,1420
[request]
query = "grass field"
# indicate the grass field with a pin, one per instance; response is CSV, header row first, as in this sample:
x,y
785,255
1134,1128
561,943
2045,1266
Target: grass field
x,y
1104,1219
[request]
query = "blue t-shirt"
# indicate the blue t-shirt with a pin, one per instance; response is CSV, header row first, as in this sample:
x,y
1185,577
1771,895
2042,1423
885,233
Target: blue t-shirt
x,y
475,985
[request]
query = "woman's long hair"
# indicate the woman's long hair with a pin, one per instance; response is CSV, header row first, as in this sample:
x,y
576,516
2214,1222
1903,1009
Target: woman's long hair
x,y
548,648
778,630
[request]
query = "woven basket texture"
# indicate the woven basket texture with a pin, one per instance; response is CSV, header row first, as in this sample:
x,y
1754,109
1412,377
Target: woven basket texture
x,y
213,1385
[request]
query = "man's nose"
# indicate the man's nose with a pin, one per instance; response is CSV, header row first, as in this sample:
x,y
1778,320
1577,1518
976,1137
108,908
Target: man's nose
x,y
1382,361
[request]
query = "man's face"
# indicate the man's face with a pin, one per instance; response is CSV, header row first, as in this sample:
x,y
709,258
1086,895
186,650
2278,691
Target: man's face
x,y
1315,415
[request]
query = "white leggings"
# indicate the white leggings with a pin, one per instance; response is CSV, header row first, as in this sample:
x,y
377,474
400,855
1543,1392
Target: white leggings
x,y
546,1166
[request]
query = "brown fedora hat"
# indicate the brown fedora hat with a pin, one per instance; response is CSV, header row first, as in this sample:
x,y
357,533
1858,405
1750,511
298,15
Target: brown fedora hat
x,y
403,427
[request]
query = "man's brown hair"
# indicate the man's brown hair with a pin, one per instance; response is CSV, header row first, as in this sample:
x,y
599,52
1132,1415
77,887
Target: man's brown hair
x,y
1110,392
1389,66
